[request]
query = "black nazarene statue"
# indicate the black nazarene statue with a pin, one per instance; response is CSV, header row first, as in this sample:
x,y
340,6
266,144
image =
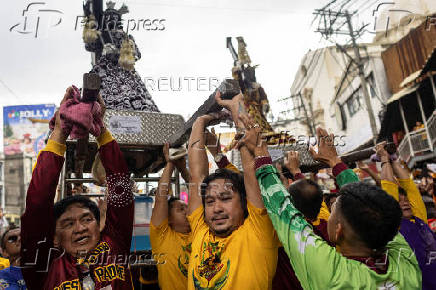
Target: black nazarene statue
x,y
116,54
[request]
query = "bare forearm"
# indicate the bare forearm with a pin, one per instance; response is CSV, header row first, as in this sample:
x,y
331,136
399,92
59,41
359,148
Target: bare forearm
x,y
185,174
251,184
387,172
399,171
58,136
374,176
160,210
198,164
283,179
197,153
164,183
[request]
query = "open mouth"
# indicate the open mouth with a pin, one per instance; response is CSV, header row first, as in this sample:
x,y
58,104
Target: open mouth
x,y
82,240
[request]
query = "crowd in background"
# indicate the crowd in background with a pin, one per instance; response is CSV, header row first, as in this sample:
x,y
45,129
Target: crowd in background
x,y
255,228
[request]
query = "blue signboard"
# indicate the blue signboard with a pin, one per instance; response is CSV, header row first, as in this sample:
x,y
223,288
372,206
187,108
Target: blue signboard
x,y
25,128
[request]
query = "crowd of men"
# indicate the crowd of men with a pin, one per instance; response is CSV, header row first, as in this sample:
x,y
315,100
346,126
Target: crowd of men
x,y
253,229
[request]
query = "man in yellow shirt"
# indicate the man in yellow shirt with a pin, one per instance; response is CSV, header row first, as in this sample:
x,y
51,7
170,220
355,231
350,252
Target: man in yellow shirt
x,y
170,231
234,245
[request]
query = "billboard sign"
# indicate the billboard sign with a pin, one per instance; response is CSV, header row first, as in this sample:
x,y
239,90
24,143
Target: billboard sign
x,y
25,128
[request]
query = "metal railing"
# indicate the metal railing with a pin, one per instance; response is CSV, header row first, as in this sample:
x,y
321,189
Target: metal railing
x,y
431,124
404,148
419,141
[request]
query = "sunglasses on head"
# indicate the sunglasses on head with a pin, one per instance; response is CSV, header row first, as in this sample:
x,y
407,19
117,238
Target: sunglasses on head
x,y
12,239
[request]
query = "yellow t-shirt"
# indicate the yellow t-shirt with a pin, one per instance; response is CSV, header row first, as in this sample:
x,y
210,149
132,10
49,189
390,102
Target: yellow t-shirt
x,y
415,198
174,248
4,263
246,259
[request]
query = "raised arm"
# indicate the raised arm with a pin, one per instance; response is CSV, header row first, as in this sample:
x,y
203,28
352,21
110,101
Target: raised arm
x,y
282,177
184,172
327,154
292,163
198,163
251,186
374,176
120,205
388,182
37,222
214,147
387,172
418,207
307,252
160,210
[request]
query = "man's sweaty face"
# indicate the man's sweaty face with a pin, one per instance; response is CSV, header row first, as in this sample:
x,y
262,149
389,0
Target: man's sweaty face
x,y
77,230
222,208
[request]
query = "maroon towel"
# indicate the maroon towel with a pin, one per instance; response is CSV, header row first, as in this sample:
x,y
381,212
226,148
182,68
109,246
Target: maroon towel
x,y
79,119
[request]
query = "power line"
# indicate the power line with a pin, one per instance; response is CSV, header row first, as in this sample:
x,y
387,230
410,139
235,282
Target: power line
x,y
328,29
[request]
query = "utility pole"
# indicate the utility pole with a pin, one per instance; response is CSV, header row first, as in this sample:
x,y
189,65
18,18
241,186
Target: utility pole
x,y
363,82
298,98
331,22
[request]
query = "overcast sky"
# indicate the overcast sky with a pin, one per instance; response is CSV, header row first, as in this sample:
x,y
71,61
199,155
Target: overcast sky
x,y
277,33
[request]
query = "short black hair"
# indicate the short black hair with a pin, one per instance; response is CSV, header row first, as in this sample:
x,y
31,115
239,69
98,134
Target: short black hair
x,y
373,214
8,229
401,191
61,206
237,181
171,200
307,196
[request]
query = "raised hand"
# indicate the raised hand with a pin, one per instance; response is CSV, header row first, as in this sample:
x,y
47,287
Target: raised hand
x,y
213,143
235,106
252,138
166,152
362,165
381,151
326,148
58,134
292,162
102,105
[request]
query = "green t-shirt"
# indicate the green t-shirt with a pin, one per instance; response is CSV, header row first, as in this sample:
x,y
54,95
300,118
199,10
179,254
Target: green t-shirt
x,y
319,266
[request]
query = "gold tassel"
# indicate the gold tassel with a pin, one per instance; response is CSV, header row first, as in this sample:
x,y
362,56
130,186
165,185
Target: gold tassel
x,y
90,32
127,55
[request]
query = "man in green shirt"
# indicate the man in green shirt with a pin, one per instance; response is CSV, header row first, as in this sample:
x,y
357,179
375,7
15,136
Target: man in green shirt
x,y
363,224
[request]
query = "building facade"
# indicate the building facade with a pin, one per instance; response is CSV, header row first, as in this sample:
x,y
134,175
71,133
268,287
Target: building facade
x,y
17,175
329,88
